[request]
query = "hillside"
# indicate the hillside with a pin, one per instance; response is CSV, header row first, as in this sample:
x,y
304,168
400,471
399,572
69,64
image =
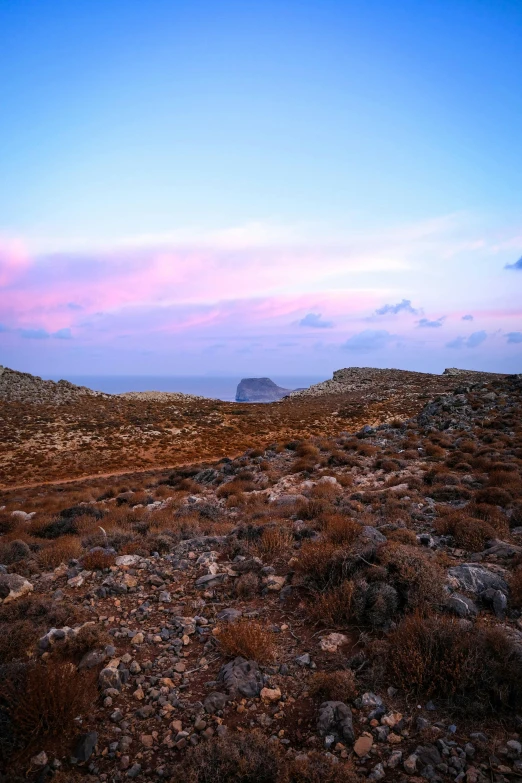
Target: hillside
x,y
52,432
333,609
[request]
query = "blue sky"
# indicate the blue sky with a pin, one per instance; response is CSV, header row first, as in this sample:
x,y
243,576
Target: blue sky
x,y
241,187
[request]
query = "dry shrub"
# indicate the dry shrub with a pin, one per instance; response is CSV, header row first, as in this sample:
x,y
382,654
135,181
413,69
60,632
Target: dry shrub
x,y
14,551
402,535
90,637
52,697
340,530
274,542
436,657
307,449
60,551
333,686
468,532
237,758
434,451
234,487
321,563
495,496
247,585
333,607
98,560
416,577
315,767
17,640
247,638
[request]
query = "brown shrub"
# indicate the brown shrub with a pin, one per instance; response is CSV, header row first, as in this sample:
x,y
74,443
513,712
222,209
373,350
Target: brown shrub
x,y
340,530
435,657
90,637
17,640
333,607
235,758
321,563
248,638
468,532
60,551
402,535
315,767
98,560
52,697
234,487
494,496
416,577
333,686
434,451
274,542
307,449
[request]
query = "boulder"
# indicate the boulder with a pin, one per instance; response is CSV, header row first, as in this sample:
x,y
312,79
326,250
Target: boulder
x,y
13,586
476,579
241,677
215,702
335,718
85,745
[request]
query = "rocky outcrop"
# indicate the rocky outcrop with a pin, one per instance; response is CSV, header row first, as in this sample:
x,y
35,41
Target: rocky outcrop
x,y
260,390
372,381
23,387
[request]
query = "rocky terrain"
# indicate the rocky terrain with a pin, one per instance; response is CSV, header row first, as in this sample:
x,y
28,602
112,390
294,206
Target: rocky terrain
x,y
340,606
58,432
18,386
259,390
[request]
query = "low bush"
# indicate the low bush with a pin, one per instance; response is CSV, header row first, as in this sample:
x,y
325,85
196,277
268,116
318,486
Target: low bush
x,y
274,542
321,563
417,579
340,530
472,668
248,758
333,686
60,551
333,607
98,560
247,638
51,698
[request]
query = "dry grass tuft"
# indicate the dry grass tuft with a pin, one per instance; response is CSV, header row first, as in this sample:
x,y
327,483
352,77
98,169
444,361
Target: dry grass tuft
x,y
247,638
52,697
334,686
275,542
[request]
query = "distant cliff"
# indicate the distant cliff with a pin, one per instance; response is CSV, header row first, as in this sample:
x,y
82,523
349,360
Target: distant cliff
x,y
259,390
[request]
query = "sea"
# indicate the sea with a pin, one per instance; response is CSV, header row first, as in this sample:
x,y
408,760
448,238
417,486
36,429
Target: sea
x,y
219,388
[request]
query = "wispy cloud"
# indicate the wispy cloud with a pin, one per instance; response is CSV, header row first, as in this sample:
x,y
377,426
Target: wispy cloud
x,y
315,321
516,265
425,323
474,340
368,340
514,337
404,306
468,317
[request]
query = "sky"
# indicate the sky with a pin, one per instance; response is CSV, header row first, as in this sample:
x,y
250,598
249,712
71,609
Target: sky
x,y
191,187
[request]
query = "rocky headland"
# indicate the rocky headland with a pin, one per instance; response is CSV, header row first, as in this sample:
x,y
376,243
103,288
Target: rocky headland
x,y
260,390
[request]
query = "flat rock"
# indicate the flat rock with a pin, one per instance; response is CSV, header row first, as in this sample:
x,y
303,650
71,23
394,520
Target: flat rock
x,y
476,579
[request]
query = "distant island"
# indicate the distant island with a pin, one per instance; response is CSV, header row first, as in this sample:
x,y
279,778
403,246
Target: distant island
x,y
260,390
